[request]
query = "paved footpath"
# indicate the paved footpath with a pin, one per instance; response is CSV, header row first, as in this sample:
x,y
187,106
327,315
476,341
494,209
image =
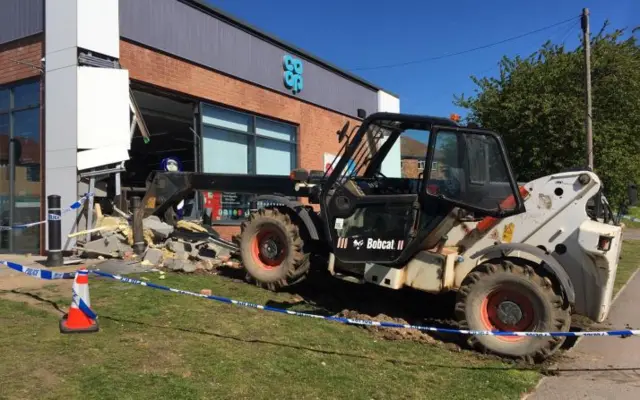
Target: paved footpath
x,y
602,367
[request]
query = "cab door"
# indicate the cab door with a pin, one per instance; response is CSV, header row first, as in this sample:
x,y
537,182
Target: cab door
x,y
469,169
369,227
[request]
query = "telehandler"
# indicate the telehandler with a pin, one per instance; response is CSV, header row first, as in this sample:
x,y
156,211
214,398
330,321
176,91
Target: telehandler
x,y
521,257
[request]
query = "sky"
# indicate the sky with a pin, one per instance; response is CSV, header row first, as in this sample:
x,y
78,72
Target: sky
x,y
354,34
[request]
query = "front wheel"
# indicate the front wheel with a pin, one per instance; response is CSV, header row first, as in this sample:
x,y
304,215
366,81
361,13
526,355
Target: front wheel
x,y
511,295
272,250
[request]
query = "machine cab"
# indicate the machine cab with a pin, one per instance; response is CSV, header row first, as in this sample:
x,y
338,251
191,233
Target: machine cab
x,y
371,217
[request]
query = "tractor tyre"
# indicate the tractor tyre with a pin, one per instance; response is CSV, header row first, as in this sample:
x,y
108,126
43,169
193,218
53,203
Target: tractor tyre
x,y
513,295
272,250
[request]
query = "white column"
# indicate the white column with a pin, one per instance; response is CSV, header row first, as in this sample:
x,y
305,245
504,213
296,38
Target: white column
x,y
86,108
391,166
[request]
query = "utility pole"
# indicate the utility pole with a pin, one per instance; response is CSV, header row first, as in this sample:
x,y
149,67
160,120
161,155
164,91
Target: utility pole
x,y
587,78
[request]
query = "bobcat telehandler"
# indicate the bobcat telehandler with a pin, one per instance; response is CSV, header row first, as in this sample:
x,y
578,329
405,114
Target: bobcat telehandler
x,y
520,257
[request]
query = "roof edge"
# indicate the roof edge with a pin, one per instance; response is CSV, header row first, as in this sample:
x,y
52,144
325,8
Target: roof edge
x,y
251,29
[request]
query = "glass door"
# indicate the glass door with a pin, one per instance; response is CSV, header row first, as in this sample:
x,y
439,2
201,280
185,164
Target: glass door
x,y
20,184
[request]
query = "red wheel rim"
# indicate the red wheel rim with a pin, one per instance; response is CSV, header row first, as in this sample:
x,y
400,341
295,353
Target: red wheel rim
x,y
507,310
268,248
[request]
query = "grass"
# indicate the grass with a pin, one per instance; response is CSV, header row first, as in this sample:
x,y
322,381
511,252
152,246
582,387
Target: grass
x,y
155,344
635,213
628,264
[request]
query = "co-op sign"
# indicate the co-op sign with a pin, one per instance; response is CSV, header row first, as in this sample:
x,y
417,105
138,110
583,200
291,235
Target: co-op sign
x,y
292,74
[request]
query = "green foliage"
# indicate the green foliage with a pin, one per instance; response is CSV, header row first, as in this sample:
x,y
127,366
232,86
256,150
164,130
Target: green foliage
x,y
537,103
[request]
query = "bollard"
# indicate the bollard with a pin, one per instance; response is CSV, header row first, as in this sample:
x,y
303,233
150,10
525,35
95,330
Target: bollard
x,y
54,226
138,235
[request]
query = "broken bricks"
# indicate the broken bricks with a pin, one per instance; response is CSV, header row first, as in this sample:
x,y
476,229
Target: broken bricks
x,y
166,245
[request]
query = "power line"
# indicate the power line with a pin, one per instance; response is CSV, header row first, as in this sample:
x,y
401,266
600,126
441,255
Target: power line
x,y
564,38
468,50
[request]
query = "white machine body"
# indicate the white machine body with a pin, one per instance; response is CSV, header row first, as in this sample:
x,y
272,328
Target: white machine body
x,y
555,221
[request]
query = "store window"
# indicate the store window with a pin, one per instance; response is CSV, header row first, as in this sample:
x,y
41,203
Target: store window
x,y
242,143
20,180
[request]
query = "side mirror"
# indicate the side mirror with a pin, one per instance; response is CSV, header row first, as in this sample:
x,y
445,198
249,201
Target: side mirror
x,y
633,194
342,132
299,175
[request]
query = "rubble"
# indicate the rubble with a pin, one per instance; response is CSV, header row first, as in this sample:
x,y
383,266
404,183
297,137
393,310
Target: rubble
x,y
161,230
187,247
153,256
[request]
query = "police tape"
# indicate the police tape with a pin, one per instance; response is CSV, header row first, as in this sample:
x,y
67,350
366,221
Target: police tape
x,y
38,273
50,217
84,307
43,274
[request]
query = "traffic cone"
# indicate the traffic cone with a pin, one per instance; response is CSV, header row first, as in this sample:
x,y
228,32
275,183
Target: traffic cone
x,y
81,318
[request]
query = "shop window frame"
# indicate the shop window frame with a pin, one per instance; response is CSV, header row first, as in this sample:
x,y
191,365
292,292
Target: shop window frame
x,y
252,145
11,111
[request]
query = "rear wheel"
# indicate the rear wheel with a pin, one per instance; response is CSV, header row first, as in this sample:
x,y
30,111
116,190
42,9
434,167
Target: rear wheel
x,y
272,250
511,295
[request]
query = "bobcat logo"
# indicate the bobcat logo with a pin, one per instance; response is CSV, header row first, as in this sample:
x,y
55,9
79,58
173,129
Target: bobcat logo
x,y
358,243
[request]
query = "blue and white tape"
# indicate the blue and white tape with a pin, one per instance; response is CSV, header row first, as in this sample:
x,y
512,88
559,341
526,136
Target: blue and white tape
x,y
86,310
50,217
77,300
38,273
350,321
43,274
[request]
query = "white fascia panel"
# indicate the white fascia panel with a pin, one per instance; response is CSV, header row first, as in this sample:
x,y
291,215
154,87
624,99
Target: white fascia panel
x,y
99,26
60,25
388,102
103,108
101,157
391,165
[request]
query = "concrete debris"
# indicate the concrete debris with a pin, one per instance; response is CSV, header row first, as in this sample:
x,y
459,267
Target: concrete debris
x,y
175,264
161,230
109,246
218,250
166,247
153,256
188,267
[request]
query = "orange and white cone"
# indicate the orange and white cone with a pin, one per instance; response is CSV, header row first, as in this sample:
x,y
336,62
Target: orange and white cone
x,y
81,318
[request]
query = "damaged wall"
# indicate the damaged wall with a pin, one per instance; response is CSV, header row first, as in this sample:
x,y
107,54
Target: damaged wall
x,y
317,126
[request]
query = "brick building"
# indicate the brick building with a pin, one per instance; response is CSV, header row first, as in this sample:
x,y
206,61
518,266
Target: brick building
x,y
214,92
413,154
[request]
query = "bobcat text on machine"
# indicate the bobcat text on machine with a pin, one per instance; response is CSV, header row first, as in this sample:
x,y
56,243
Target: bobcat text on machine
x,y
520,257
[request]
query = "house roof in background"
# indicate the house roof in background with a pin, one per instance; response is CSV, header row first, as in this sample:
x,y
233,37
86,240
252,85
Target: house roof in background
x,y
412,148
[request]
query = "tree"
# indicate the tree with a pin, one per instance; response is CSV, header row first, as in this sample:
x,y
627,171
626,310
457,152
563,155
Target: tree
x,y
537,104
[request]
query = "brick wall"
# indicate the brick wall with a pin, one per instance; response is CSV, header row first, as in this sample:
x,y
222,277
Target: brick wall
x,y
28,50
410,169
317,126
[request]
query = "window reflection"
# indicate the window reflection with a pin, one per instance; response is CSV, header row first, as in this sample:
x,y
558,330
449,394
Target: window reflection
x,y
26,95
4,100
239,143
20,175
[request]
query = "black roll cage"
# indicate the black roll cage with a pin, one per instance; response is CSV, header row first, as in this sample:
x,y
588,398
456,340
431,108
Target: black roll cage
x,y
427,123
